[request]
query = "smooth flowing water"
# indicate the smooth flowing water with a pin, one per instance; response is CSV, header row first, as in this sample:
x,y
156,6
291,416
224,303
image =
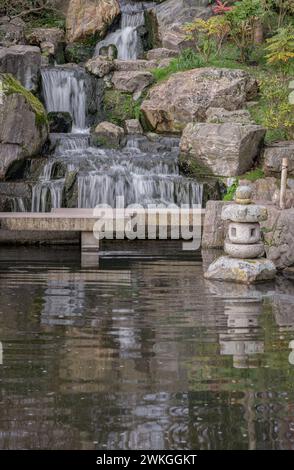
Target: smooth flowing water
x,y
141,353
64,89
143,172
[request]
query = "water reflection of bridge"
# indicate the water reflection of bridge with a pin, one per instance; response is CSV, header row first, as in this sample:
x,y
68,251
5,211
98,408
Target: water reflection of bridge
x,y
130,358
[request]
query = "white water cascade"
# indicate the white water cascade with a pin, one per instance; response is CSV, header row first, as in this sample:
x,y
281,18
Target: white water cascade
x,y
47,188
64,90
126,39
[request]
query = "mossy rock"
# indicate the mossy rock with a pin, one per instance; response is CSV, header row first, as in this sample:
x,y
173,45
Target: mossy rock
x,y
119,107
189,167
12,86
78,52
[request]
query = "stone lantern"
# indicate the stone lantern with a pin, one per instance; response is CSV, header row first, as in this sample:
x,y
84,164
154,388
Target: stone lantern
x,y
243,244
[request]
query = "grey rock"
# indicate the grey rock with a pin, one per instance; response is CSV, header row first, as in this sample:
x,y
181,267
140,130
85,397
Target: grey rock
x,y
133,126
221,116
263,189
273,155
23,125
132,82
279,236
100,66
241,271
186,96
172,14
24,63
11,31
214,229
160,53
107,134
222,149
133,65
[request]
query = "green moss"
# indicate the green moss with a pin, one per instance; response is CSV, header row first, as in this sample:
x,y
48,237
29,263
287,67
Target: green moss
x,y
12,86
119,107
189,167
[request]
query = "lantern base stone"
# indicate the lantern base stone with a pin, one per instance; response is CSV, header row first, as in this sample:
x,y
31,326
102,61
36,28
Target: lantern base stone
x,y
245,271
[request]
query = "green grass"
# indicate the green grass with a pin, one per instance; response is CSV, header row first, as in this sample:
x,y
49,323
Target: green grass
x,y
253,175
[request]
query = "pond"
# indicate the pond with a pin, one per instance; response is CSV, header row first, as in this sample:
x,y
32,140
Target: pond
x,y
141,353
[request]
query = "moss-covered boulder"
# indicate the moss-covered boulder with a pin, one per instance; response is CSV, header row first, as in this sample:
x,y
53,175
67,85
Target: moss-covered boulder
x,y
119,107
23,123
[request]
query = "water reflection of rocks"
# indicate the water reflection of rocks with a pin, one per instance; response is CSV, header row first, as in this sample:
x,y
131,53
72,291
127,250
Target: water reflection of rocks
x,y
143,354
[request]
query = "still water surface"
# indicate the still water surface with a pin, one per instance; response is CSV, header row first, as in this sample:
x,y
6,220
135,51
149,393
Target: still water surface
x,y
141,354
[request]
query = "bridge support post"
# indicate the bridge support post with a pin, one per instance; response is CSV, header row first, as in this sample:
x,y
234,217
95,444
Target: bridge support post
x,y
89,250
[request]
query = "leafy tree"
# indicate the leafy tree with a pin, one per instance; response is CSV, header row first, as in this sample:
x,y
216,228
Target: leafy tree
x,y
280,114
281,47
243,19
208,35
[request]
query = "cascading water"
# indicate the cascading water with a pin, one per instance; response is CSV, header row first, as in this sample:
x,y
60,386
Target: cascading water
x,y
137,175
126,39
47,192
143,172
64,89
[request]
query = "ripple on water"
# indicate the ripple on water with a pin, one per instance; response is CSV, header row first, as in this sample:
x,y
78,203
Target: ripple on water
x,y
141,354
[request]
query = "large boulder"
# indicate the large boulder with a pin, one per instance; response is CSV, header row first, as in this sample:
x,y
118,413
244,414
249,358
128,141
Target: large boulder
x,y
273,155
222,149
23,124
172,14
50,40
132,82
24,63
186,96
86,18
244,271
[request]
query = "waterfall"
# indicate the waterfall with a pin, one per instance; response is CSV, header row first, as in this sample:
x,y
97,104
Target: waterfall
x,y
144,177
126,39
19,204
64,89
47,191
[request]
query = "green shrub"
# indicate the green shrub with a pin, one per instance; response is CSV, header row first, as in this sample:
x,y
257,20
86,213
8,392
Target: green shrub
x,y
119,106
280,48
